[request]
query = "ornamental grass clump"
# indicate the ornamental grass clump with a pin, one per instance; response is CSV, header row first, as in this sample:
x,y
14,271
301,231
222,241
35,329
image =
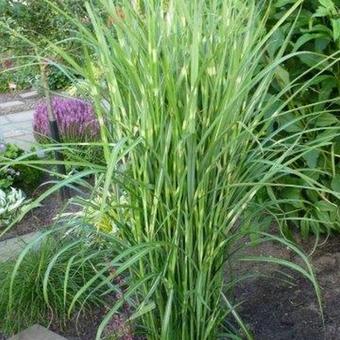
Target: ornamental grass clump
x,y
191,118
75,118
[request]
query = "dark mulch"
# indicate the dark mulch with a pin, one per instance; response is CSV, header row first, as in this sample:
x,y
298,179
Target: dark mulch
x,y
83,326
37,219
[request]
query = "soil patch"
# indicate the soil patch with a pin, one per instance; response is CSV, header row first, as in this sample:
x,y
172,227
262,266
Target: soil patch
x,y
278,310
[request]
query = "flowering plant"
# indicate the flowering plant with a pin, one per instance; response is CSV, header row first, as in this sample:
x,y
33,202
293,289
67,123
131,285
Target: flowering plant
x,y
75,118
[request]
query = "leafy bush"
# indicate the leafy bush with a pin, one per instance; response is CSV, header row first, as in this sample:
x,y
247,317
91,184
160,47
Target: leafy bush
x,y
20,175
10,204
316,39
22,76
37,21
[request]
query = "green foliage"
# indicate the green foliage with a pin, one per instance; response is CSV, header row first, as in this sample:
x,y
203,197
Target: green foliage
x,y
11,202
19,175
37,22
315,36
191,121
47,264
22,76
27,27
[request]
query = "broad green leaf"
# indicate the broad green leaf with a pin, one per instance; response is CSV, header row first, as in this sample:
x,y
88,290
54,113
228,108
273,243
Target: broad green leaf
x,y
275,42
289,123
321,43
283,75
303,39
281,3
337,145
329,5
336,28
312,158
326,119
335,184
321,12
293,194
325,206
312,195
304,228
312,59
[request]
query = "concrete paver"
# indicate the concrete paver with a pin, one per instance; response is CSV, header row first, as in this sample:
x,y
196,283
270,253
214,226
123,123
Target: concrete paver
x,y
17,128
29,94
10,104
11,248
37,332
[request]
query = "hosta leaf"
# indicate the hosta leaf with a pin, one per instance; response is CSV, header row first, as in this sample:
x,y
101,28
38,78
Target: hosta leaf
x,y
335,184
311,158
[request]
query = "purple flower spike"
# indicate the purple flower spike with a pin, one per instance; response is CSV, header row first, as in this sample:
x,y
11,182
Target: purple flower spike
x,y
75,118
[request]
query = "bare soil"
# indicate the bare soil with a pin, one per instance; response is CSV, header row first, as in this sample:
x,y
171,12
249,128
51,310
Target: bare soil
x,y
278,310
36,219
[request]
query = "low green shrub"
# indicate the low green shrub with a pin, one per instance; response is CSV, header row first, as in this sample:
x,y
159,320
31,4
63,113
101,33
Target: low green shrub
x,y
315,38
19,175
22,77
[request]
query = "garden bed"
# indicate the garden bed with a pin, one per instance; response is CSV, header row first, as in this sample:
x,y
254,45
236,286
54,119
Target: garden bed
x,y
37,219
277,310
271,308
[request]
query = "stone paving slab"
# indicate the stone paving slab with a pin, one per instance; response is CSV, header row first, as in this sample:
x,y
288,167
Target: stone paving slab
x,y
29,94
9,131
37,332
17,128
17,117
10,104
12,247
